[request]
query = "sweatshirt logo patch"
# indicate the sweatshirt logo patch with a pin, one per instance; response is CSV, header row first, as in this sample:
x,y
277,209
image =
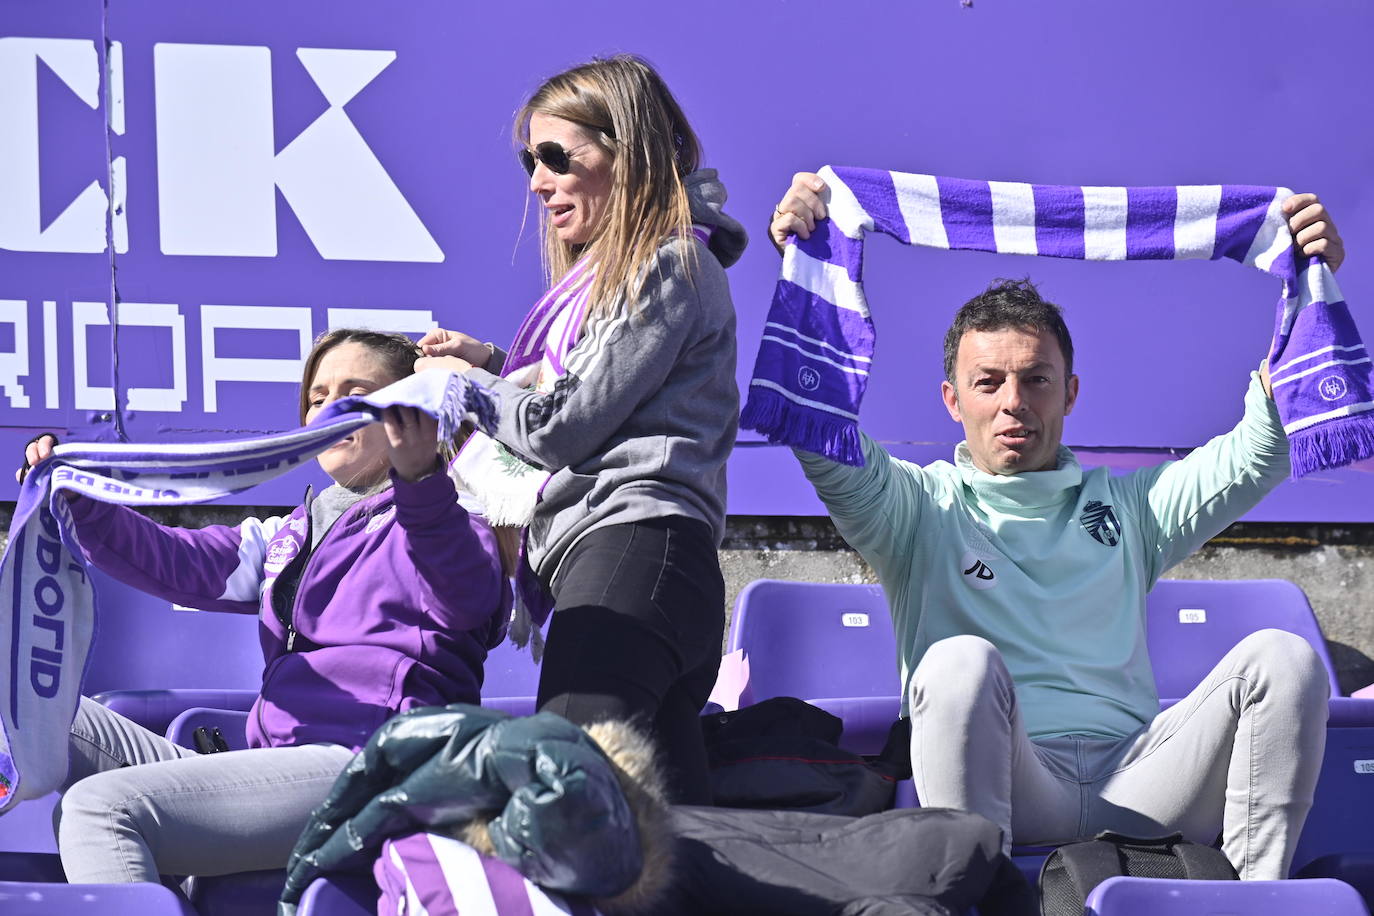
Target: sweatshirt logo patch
x,y
279,553
1099,520
977,574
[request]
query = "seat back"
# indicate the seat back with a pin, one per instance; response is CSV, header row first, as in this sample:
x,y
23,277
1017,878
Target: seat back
x,y
19,898
142,642
1191,624
40,867
232,724
248,893
509,672
1343,804
1354,868
27,829
1153,896
340,895
813,640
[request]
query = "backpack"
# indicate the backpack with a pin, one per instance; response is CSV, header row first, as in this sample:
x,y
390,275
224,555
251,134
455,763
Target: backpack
x,y
1071,872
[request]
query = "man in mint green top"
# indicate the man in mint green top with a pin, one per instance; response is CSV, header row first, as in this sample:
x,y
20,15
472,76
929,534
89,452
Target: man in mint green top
x,y
1017,585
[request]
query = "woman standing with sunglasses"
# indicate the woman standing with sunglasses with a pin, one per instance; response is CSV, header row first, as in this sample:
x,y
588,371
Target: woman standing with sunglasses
x,y
618,408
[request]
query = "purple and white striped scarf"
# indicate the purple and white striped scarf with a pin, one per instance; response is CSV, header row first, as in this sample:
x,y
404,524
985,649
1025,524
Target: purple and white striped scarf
x,y
813,363
425,874
507,487
47,603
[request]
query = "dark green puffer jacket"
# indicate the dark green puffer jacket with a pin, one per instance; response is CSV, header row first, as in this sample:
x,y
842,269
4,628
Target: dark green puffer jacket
x,y
537,792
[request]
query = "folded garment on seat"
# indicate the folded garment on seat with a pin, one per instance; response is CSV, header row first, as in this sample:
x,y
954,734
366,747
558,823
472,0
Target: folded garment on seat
x,y
912,861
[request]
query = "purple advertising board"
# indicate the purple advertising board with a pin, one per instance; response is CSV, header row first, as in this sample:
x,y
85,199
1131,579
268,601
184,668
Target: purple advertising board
x,y
190,192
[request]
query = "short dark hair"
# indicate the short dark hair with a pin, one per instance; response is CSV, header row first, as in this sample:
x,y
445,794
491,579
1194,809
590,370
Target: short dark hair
x,y
1008,304
397,352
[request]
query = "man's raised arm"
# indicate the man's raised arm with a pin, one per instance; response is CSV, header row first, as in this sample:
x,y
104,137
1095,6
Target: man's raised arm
x,y
1194,499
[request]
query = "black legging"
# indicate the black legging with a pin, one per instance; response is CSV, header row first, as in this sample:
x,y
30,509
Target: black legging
x,y
640,611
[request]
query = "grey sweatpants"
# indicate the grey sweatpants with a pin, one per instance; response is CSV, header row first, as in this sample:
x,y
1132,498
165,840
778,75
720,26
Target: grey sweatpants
x,y
137,806
1238,756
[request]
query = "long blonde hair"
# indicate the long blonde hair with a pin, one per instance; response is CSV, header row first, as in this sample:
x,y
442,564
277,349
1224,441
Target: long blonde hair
x,y
635,118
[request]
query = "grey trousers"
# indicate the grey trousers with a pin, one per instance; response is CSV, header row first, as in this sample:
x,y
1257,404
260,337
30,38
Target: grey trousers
x,y
1239,756
137,806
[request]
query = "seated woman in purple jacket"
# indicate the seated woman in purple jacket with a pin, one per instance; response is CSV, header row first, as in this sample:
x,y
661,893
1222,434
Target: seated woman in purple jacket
x,y
378,595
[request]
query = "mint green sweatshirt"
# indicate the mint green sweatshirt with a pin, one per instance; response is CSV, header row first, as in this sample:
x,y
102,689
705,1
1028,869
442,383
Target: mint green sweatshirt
x,y
1051,567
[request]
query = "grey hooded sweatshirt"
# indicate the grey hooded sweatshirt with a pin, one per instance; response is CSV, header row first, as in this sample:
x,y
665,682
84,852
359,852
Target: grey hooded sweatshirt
x,y
643,422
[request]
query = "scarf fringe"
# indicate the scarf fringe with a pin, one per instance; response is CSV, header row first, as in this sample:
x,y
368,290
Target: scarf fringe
x,y
462,397
502,507
523,632
1333,444
802,427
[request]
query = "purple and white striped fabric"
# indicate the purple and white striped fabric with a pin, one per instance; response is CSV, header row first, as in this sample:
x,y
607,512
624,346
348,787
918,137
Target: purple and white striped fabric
x,y
47,604
532,343
508,487
817,348
423,874
572,293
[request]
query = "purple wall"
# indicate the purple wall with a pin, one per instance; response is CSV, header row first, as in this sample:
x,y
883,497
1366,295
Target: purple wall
x,y
263,185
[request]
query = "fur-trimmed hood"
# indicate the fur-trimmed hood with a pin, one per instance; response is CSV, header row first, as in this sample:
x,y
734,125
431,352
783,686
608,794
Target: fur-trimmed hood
x,y
579,812
635,763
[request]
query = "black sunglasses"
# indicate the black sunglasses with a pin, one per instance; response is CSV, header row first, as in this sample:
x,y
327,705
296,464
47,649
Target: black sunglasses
x,y
557,159
553,154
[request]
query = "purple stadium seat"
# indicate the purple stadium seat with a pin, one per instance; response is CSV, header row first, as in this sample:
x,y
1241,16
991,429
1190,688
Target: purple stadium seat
x,y
829,644
232,723
28,849
1355,868
1191,624
511,680
42,867
1156,896
249,893
149,661
833,644
510,684
796,641
18,898
1339,823
339,895
173,671
155,710
28,829
143,643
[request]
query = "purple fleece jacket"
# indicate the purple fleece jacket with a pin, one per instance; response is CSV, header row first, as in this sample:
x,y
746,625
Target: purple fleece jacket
x,y
395,608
